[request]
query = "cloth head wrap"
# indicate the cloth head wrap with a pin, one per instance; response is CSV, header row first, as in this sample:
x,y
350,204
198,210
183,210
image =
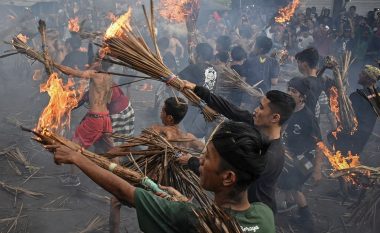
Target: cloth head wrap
x,y
300,84
372,72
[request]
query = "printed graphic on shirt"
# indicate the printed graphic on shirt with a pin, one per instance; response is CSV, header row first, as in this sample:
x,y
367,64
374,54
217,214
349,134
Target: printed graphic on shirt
x,y
250,229
210,78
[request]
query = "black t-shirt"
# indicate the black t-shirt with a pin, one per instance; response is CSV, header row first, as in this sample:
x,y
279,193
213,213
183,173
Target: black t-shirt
x,y
263,189
259,68
316,88
366,116
201,74
302,132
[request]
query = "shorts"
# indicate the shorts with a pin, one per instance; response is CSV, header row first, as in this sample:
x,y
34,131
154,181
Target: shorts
x,y
123,123
93,127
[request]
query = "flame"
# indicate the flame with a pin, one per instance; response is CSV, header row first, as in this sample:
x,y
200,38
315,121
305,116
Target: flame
x,y
338,161
285,14
175,10
23,38
334,106
122,23
63,98
74,25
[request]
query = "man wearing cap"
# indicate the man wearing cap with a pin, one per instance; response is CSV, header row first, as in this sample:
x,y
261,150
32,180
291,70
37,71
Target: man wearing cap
x,y
301,136
233,159
366,104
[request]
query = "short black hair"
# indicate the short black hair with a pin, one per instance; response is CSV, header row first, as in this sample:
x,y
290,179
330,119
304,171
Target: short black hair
x,y
264,43
224,43
204,51
238,53
310,56
176,107
281,103
242,150
163,43
223,57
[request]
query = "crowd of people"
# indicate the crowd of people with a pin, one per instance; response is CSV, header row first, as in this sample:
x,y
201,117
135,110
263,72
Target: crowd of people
x,y
267,143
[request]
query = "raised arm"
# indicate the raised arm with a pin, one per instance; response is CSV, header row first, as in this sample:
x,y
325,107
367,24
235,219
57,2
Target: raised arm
x,y
74,72
120,188
221,105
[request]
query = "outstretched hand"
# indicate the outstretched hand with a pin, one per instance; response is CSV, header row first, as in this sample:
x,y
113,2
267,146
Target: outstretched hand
x,y
188,85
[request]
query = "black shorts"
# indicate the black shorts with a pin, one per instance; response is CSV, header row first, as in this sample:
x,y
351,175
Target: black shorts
x,y
292,179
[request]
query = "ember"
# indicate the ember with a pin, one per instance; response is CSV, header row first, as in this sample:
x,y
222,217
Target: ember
x,y
63,98
285,14
73,25
338,161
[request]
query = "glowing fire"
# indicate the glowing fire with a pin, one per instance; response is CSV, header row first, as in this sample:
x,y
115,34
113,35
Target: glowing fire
x,y
334,106
285,14
338,161
23,38
63,98
175,10
122,23
74,25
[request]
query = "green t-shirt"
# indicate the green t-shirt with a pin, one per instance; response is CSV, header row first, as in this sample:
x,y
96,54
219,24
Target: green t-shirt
x,y
158,215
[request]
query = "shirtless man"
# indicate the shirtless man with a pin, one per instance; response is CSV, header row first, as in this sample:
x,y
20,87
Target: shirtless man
x,y
97,122
172,113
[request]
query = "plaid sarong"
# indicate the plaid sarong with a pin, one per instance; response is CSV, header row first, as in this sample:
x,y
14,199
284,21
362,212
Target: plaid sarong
x,y
123,123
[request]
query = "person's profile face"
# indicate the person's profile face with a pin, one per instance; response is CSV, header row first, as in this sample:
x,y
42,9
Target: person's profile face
x,y
209,175
262,115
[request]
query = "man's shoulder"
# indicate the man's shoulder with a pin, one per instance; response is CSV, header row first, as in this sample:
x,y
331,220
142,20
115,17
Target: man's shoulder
x,y
258,218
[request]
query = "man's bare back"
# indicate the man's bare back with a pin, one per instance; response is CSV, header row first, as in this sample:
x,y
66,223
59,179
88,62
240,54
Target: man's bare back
x,y
177,137
100,91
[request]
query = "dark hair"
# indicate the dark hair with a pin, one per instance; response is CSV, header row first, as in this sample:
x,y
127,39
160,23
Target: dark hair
x,y
238,53
74,42
310,56
281,103
204,51
176,107
241,149
223,57
163,43
223,43
352,7
264,43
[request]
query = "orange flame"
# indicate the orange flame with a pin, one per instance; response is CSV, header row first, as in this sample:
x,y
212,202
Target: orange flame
x,y
63,98
23,38
74,25
122,23
338,161
175,10
285,14
334,106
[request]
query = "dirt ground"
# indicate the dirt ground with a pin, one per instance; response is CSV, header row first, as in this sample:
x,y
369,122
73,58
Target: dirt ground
x,y
85,208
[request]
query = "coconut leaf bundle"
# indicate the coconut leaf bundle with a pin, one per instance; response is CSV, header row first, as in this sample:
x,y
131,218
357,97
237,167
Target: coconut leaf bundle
x,y
129,49
159,160
340,103
46,137
157,156
234,80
